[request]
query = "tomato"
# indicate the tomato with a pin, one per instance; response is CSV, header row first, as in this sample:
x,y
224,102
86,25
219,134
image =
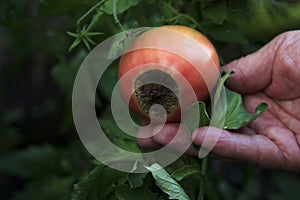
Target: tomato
x,y
160,67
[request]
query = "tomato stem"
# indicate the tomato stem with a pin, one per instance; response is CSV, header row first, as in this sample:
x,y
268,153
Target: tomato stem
x,y
203,178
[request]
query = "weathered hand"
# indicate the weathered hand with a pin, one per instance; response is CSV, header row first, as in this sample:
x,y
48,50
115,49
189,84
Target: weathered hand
x,y
270,75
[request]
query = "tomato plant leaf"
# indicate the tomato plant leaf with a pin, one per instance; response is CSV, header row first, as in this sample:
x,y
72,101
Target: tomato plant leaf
x,y
86,43
225,33
228,108
216,12
196,111
74,44
128,145
111,129
236,115
117,136
219,104
185,172
64,73
97,184
108,81
136,180
166,183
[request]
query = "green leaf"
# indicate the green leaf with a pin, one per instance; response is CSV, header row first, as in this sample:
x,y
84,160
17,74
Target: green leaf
x,y
219,103
121,6
86,43
127,145
74,44
136,179
216,12
112,130
124,192
64,72
75,35
108,81
166,183
94,33
225,33
196,111
116,135
185,172
228,111
98,184
236,115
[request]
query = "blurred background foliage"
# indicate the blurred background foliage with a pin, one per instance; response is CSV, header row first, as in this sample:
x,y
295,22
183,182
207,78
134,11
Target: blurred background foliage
x,y
41,156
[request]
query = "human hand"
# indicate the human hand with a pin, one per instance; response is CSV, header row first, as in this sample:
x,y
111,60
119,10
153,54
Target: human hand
x,y
270,75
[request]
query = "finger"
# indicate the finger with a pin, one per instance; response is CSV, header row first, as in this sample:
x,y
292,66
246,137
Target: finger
x,y
144,137
286,69
253,149
176,137
254,71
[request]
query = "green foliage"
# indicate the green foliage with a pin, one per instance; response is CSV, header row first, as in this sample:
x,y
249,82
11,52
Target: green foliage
x,y
98,183
108,81
136,180
227,110
167,183
83,36
196,111
185,172
236,114
228,105
117,136
64,72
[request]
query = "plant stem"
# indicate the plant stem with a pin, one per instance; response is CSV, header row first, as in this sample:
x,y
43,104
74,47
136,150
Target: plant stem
x,y
115,15
179,15
203,178
87,13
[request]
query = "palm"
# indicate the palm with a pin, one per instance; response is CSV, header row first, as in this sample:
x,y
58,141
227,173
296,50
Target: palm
x,y
279,126
276,133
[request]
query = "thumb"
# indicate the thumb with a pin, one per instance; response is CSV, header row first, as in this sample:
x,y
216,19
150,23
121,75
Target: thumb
x,y
254,71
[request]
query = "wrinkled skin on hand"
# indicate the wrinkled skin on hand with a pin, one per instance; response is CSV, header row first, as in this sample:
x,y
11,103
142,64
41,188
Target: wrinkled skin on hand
x,y
270,75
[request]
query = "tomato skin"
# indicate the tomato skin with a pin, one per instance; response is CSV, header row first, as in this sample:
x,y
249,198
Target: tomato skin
x,y
144,59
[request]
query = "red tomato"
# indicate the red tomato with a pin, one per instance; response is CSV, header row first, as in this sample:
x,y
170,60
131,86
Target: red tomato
x,y
167,55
